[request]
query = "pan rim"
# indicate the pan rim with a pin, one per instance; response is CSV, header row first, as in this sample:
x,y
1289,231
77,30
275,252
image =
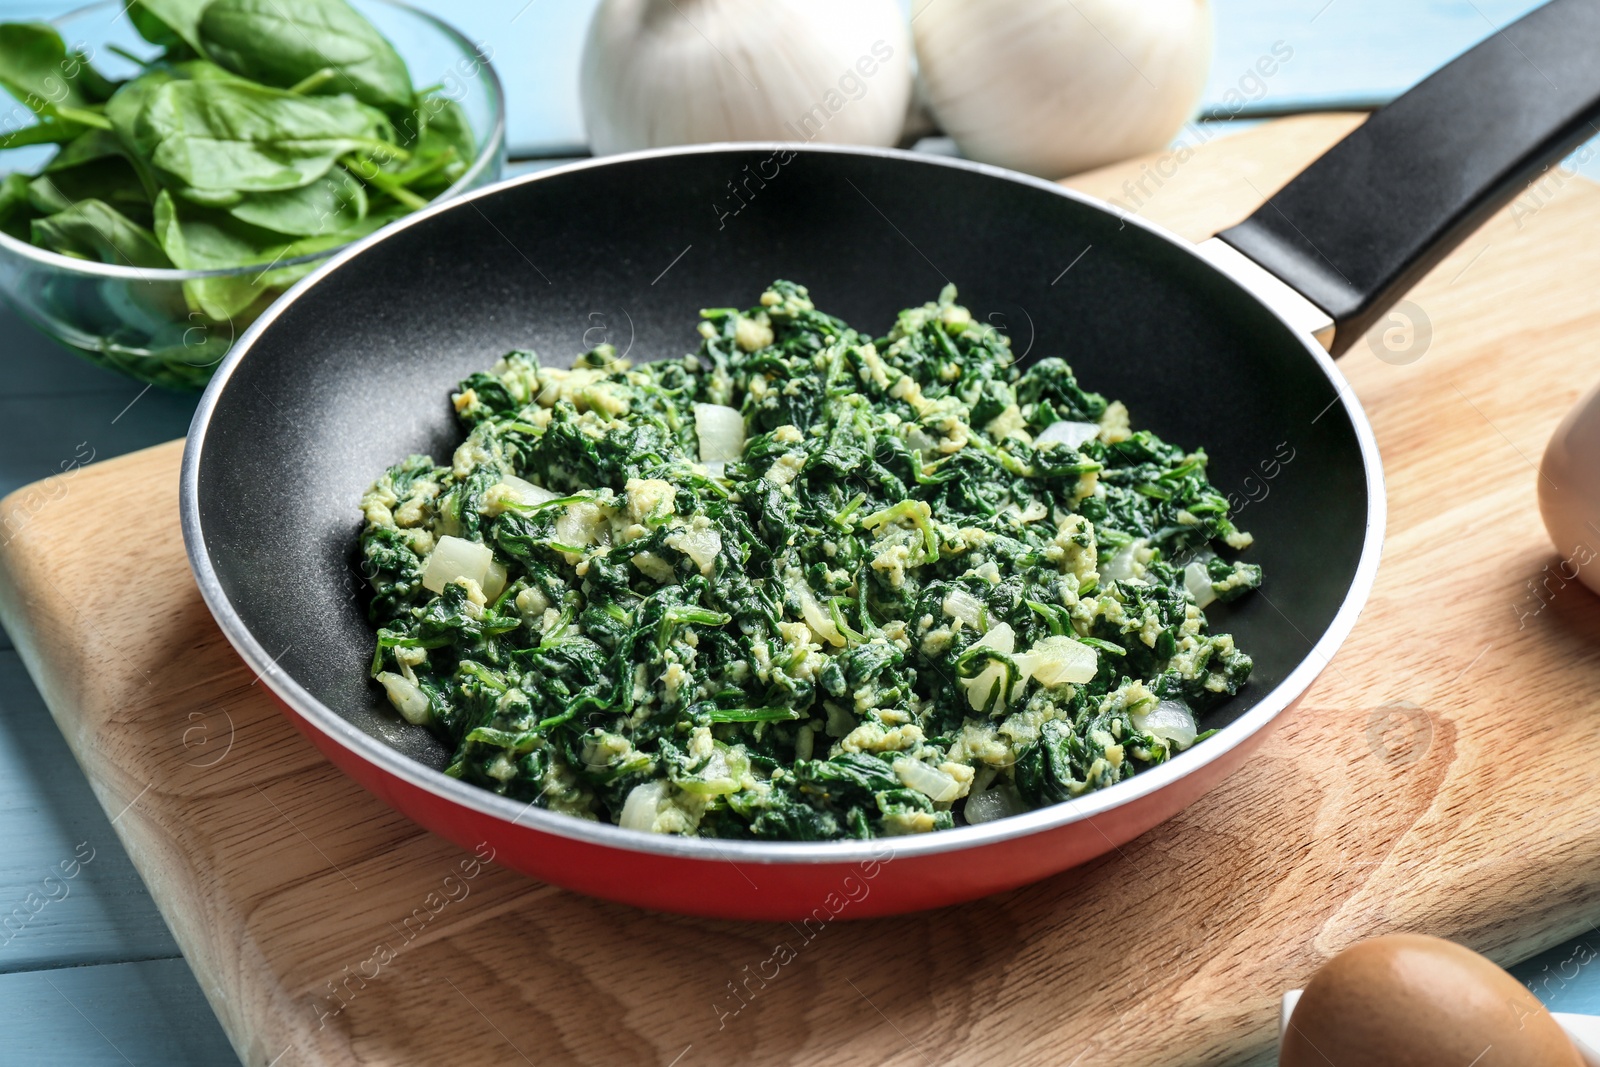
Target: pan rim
x,y
514,814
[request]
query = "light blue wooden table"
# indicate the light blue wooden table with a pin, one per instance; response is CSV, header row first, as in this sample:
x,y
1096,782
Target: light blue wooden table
x,y
94,977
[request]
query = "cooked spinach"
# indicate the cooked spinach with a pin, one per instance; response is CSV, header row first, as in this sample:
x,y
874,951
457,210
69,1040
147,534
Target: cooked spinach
x,y
801,584
264,131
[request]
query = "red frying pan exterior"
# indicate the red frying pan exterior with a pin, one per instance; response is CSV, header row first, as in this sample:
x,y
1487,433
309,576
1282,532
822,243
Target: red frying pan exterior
x,y
884,881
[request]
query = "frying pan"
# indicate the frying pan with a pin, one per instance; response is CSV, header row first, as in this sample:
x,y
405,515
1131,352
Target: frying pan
x,y
1225,345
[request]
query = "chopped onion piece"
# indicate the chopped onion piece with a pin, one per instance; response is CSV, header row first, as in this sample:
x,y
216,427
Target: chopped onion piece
x,y
1198,582
1071,434
930,781
960,604
721,432
408,699
992,804
456,557
494,580
718,777
821,622
804,740
644,801
1169,720
582,524
525,492
1124,564
717,468
920,440
701,545
981,686
1003,640
1059,660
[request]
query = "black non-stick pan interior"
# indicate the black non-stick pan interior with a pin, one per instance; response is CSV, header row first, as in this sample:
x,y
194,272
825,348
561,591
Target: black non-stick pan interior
x,y
355,373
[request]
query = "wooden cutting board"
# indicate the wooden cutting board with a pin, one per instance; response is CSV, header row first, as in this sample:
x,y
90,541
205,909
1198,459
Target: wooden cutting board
x,y
1440,777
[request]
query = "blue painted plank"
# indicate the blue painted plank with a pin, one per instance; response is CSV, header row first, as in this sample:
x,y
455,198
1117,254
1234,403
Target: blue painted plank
x,y
59,411
45,435
33,365
1344,52
1566,977
18,10
1309,55
1341,52
1270,58
68,893
535,45
148,1014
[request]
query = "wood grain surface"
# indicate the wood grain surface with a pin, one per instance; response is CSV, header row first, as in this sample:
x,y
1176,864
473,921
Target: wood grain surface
x,y
1439,777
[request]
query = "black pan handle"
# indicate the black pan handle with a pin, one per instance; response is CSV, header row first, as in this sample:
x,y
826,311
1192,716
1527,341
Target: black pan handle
x,y
1361,225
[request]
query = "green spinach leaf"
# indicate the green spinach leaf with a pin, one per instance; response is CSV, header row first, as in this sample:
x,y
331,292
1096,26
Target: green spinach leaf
x,y
128,103
445,127
50,131
111,180
168,22
202,242
203,70
445,147
285,42
15,209
198,238
37,68
88,147
92,229
332,204
214,135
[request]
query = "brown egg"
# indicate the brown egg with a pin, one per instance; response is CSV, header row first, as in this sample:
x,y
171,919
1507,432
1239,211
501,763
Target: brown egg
x,y
1412,1001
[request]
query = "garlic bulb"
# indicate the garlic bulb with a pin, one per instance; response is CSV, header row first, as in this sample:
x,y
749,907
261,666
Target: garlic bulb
x,y
665,72
1053,87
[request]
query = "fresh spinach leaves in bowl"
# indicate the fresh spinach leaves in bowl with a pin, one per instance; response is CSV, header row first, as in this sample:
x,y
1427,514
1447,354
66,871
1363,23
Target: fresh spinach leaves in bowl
x,y
255,138
801,584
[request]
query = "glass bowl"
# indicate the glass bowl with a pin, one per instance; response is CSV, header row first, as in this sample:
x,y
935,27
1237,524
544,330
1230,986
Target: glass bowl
x,y
143,321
